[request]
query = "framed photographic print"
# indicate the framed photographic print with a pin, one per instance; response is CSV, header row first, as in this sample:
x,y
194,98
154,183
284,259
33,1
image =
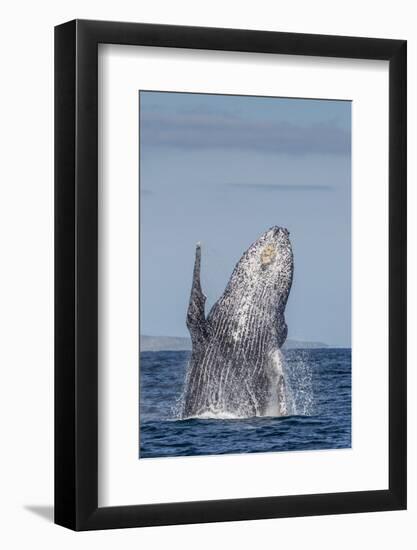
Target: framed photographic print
x,y
230,335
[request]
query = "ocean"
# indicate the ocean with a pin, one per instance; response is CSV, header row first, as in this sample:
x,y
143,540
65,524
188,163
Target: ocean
x,y
320,381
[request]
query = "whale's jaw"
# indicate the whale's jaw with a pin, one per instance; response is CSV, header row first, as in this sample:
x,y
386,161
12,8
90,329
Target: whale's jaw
x,y
235,349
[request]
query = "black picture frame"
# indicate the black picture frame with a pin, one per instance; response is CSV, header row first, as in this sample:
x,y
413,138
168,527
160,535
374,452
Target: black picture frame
x,y
76,274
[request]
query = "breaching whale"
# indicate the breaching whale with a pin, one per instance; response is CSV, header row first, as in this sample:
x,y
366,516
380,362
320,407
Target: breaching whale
x,y
235,367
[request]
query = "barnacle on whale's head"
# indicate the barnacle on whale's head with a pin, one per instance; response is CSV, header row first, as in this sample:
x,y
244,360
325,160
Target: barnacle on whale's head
x,y
268,254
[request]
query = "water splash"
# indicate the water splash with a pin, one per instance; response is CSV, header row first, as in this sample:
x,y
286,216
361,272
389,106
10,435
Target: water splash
x,y
216,414
299,374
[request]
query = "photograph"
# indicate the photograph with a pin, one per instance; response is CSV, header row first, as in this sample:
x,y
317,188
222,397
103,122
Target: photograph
x,y
245,274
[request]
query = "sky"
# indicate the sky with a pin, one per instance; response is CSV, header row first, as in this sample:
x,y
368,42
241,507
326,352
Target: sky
x,y
221,169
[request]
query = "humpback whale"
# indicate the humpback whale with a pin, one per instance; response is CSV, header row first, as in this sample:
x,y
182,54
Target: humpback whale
x,y
235,366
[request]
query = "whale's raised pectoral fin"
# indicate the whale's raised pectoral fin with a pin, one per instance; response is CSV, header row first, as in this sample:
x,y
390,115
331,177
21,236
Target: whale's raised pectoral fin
x,y
196,319
280,326
282,333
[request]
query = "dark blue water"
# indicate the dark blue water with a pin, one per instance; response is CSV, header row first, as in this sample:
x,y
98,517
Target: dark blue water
x,y
321,388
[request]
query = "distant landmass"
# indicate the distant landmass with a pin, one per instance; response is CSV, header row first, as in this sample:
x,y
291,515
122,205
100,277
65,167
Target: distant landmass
x,y
174,343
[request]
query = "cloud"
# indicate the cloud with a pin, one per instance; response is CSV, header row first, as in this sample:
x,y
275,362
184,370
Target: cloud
x,y
189,130
272,187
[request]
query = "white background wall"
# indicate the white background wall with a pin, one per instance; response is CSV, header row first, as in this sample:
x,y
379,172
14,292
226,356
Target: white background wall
x,y
26,273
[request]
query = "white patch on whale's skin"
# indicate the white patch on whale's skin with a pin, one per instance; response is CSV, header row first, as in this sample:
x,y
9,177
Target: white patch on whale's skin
x,y
280,399
236,367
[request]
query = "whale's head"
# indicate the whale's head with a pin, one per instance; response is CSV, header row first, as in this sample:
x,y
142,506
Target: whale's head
x,y
266,268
